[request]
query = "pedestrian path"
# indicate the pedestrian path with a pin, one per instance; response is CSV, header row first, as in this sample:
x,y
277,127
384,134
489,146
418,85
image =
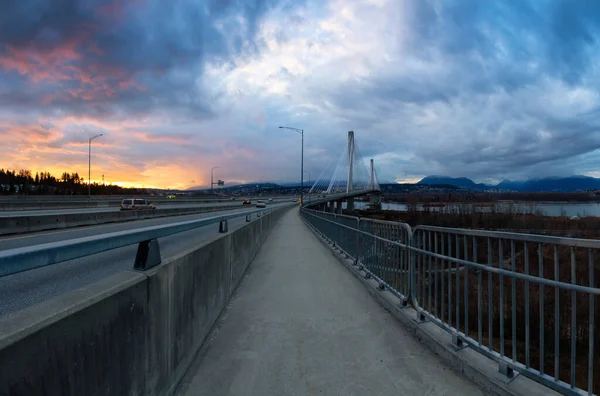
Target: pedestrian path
x,y
301,324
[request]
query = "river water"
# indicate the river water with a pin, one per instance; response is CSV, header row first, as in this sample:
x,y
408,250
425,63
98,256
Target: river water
x,y
543,208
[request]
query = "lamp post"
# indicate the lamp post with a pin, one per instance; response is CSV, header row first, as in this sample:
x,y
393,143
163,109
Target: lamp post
x,y
301,132
90,165
211,177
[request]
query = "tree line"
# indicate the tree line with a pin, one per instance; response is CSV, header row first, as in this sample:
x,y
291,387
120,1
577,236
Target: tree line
x,y
44,183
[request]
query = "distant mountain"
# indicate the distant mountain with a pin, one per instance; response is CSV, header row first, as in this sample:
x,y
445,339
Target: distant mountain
x,y
546,184
460,182
562,184
510,185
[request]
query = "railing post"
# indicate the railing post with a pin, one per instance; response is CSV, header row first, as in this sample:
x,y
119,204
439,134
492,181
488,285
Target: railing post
x,y
458,342
505,369
223,226
148,255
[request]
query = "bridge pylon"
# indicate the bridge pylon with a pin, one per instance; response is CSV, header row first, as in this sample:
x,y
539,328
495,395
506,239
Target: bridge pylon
x,y
350,200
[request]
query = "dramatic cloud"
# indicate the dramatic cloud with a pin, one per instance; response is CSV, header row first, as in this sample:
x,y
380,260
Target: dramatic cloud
x,y
489,90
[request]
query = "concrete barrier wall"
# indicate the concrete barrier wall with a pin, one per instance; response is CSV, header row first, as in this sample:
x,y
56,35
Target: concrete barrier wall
x,y
24,224
134,333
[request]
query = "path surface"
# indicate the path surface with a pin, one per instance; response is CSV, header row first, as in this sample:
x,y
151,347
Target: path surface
x,y
301,324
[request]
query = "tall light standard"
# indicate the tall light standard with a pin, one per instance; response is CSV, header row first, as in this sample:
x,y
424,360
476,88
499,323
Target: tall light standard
x,y
90,165
211,177
301,132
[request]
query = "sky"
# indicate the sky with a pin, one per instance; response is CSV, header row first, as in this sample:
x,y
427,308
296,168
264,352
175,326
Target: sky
x,y
489,90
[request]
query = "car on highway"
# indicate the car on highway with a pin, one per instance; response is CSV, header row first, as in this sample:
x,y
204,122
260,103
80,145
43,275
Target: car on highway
x,y
246,202
270,200
261,204
136,204
171,196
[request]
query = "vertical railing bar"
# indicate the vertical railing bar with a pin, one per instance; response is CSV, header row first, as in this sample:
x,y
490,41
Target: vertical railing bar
x,y
466,267
383,268
457,285
592,332
418,267
429,268
402,257
479,292
389,266
406,257
358,241
381,263
423,269
443,276
391,258
542,298
526,253
409,263
435,249
449,280
501,265
514,300
573,316
422,275
489,278
399,264
556,317
374,262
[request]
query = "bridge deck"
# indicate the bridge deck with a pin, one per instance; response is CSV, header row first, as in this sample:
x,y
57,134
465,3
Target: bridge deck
x,y
301,324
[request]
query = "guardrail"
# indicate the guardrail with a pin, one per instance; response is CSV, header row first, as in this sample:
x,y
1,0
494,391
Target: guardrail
x,y
44,222
148,254
505,295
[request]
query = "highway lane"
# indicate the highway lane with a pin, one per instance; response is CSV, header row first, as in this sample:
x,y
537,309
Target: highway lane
x,y
27,288
45,212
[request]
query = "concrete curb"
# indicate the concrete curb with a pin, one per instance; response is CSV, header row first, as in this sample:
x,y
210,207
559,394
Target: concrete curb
x,y
466,361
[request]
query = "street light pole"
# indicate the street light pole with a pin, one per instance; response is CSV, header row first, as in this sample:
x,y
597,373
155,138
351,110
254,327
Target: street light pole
x,y
90,165
301,132
211,177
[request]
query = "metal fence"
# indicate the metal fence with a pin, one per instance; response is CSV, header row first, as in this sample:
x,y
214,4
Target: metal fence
x,y
525,301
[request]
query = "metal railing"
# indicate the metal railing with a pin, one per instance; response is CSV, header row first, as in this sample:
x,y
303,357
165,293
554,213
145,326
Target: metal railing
x,y
26,258
525,301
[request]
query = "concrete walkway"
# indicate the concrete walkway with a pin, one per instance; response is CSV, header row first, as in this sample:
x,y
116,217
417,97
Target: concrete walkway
x,y
301,324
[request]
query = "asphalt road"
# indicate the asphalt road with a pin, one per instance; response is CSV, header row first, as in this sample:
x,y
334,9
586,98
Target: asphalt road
x,y
45,212
27,288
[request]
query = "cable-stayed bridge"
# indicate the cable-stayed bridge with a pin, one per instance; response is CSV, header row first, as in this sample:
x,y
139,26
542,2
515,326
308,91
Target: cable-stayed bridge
x,y
348,177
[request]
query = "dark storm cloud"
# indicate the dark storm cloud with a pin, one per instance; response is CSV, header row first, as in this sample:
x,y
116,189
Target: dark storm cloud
x,y
95,56
497,95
